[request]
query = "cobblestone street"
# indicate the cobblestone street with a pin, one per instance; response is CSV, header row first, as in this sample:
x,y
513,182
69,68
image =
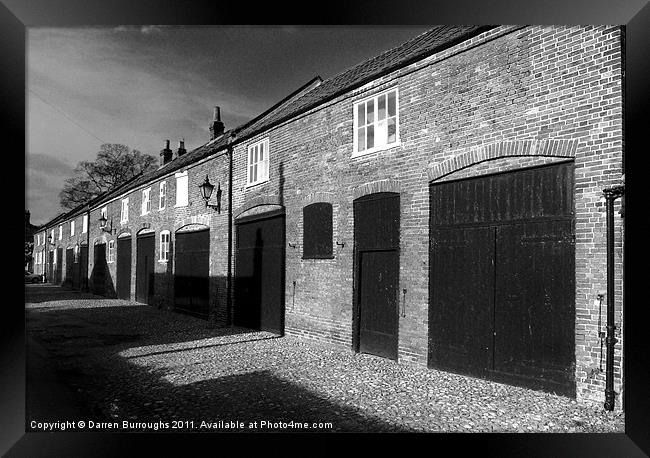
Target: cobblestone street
x,y
127,361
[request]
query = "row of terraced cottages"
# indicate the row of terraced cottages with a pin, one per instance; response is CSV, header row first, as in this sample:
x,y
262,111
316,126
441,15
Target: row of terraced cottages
x,y
441,203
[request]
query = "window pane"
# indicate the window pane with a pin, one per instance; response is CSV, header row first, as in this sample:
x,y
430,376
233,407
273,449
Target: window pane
x,y
371,136
391,103
392,131
361,138
361,114
370,111
254,176
381,133
381,107
250,174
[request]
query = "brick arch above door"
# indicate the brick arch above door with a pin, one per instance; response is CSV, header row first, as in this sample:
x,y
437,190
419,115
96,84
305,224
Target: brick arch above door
x,y
256,202
482,153
386,185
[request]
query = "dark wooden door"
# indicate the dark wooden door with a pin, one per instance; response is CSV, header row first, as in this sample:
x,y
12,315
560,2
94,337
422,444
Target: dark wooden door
x,y
76,273
99,270
124,268
534,315
50,269
69,266
259,273
83,266
463,291
502,277
59,265
144,273
192,272
376,238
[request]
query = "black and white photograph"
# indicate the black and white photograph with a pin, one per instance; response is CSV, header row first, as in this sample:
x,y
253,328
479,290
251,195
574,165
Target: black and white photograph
x,y
325,229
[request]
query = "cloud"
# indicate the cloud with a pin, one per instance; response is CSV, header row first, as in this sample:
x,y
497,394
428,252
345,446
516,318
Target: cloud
x,y
44,179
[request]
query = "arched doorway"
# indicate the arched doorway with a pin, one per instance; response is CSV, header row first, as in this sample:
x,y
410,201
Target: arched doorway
x,y
192,270
376,273
259,269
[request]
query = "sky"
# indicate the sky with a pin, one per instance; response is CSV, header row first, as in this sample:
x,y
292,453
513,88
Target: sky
x,y
141,85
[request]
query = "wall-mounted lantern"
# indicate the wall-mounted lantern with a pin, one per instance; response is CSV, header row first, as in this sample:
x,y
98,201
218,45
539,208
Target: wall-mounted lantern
x,y
102,224
206,192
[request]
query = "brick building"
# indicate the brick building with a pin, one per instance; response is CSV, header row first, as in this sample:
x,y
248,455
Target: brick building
x,y
440,204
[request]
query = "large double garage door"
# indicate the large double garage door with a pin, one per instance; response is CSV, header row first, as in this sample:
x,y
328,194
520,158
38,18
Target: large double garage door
x,y
502,277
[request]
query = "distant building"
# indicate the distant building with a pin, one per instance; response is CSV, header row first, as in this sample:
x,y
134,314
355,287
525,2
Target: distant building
x,y
440,203
30,230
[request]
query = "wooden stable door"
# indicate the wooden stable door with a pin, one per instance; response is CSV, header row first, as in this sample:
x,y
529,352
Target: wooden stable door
x,y
259,273
502,279
192,273
144,274
376,264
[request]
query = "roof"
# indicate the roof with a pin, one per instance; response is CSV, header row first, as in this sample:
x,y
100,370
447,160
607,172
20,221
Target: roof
x,y
309,96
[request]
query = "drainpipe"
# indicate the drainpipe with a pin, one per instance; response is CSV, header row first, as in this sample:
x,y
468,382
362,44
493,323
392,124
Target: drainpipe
x,y
610,196
229,319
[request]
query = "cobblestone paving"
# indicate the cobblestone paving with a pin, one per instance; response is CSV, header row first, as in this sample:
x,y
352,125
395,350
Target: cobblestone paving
x,y
135,363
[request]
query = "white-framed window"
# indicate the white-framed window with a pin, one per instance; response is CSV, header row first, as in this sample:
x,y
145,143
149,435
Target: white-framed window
x,y
165,237
111,251
84,224
258,162
54,256
60,231
146,201
182,183
162,195
124,214
71,228
376,122
52,236
104,212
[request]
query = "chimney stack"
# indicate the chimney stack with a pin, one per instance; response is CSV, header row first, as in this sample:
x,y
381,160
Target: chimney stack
x,y
216,127
181,148
165,154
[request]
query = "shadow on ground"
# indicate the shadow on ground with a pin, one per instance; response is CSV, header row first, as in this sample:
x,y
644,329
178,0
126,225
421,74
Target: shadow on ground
x,y
91,349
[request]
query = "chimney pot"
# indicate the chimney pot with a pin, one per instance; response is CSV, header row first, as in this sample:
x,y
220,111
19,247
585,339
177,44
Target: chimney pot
x,y
165,154
216,126
181,148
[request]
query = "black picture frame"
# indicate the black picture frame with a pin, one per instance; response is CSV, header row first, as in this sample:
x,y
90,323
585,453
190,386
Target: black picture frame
x,y
16,15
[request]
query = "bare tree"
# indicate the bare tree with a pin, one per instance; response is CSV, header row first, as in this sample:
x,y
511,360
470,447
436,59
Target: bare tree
x,y
115,164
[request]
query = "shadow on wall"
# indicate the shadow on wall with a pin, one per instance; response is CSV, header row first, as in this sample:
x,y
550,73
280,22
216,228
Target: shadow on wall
x,y
101,281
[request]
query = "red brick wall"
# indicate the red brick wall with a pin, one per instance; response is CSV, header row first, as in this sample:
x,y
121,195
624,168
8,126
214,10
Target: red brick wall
x,y
556,84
